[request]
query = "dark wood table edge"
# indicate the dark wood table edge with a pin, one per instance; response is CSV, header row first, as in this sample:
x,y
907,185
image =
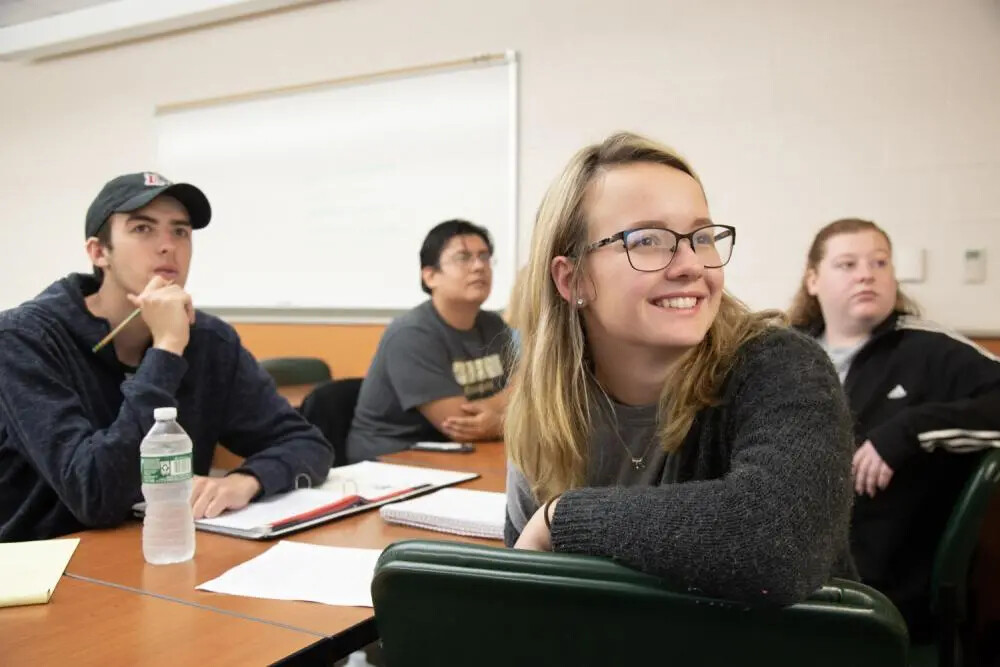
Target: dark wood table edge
x,y
328,650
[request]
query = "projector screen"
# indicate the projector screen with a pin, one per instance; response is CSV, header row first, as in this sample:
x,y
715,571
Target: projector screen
x,y
321,198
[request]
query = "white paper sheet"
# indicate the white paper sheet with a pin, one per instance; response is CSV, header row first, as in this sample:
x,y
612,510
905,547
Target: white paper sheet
x,y
340,576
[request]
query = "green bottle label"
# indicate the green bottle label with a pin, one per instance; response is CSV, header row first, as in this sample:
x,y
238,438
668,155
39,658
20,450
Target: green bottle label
x,y
166,469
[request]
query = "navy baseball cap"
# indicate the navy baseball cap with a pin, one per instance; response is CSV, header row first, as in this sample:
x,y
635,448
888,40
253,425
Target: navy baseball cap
x,y
133,191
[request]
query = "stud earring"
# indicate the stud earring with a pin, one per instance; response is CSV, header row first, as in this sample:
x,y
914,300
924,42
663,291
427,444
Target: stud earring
x,y
580,302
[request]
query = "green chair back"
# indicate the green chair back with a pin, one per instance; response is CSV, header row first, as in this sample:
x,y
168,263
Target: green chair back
x,y
958,542
296,370
451,604
952,563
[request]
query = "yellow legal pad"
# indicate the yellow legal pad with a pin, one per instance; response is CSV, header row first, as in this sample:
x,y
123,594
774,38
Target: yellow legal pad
x,y
29,571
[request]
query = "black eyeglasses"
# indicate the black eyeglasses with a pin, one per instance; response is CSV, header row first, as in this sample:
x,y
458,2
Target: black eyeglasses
x,y
653,248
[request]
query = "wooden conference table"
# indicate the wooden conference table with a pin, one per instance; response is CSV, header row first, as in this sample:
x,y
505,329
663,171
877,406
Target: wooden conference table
x,y
111,607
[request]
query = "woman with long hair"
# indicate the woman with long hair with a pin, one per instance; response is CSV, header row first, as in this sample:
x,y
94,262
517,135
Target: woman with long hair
x,y
656,420
924,400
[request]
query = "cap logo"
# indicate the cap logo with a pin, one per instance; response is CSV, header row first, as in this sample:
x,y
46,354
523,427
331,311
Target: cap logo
x,y
151,179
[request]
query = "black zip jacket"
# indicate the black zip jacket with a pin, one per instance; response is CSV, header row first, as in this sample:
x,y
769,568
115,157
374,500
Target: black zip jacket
x,y
929,401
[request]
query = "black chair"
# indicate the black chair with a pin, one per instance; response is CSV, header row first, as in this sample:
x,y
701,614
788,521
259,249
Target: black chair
x,y
296,370
330,406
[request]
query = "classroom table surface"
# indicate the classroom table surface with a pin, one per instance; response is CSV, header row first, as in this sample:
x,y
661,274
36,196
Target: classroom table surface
x,y
487,459
87,623
115,556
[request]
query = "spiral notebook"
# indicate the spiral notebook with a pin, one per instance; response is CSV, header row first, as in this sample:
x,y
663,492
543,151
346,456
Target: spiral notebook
x,y
457,511
347,490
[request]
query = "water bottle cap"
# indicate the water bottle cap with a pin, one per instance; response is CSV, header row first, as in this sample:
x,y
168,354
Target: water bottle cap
x,y
164,414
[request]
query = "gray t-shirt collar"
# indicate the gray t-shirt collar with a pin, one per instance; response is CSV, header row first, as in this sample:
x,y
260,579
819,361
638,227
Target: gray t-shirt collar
x,y
618,438
842,357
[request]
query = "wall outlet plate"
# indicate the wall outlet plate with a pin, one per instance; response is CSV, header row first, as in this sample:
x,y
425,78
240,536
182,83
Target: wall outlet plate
x,y
974,260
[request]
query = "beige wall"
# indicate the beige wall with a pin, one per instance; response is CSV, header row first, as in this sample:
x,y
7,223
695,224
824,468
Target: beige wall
x,y
794,112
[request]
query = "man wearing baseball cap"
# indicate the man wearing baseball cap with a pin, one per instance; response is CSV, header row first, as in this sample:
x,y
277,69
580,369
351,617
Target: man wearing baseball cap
x,y
72,418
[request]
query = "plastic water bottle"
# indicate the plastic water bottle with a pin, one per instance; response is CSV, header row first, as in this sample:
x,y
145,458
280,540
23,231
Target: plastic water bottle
x,y
168,527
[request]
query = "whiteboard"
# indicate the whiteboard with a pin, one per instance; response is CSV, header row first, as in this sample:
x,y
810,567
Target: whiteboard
x,y
321,199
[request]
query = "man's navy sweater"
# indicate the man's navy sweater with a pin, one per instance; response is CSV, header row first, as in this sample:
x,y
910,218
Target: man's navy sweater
x,y
71,421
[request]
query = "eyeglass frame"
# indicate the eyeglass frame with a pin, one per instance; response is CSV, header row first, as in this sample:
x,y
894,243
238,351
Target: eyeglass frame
x,y
623,237
466,265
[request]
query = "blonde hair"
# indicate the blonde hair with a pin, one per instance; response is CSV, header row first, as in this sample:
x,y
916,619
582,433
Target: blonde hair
x,y
805,311
548,418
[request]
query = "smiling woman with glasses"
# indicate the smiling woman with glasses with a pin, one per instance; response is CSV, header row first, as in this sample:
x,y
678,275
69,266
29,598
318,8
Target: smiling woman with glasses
x,y
654,419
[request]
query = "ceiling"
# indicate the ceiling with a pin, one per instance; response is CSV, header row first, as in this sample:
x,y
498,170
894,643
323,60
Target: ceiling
x,y
34,29
13,12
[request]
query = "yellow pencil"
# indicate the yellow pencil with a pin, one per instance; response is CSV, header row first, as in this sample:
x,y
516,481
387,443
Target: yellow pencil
x,y
114,332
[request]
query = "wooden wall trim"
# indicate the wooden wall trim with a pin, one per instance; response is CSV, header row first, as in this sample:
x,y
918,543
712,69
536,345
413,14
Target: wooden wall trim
x,y
349,348
991,344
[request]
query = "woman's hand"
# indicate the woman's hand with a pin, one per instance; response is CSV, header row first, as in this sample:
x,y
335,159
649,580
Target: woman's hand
x,y
871,472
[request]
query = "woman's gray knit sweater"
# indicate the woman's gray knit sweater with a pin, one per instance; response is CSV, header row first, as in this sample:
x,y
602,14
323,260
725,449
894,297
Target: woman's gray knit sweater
x,y
761,505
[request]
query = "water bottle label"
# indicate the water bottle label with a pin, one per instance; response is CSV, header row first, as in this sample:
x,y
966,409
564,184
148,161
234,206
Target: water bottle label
x,y
166,469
